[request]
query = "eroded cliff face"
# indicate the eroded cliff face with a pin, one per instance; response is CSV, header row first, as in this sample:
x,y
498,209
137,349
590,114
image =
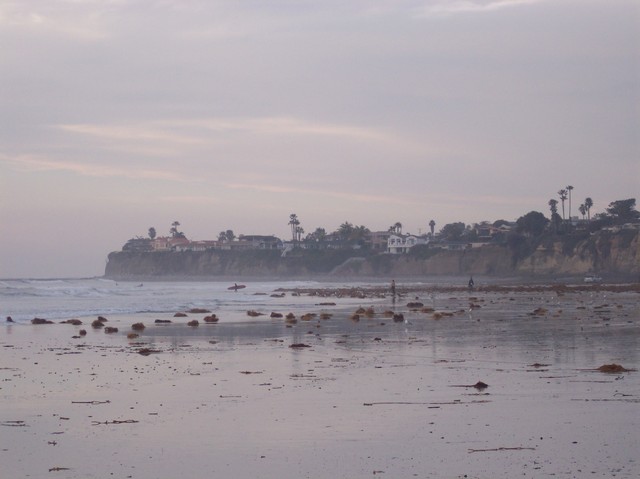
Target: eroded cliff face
x,y
617,254
614,254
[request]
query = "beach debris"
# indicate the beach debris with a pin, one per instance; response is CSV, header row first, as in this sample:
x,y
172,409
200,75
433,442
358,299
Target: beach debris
x,y
180,315
539,312
75,322
355,317
212,318
326,315
41,321
91,402
519,448
162,321
82,332
613,368
327,304
307,316
110,330
198,311
14,423
415,305
250,372
538,365
57,468
132,335
193,323
479,385
276,315
398,317
431,405
299,346
147,351
115,421
277,295
137,326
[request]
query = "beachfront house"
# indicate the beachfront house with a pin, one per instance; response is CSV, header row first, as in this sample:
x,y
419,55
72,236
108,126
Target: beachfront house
x,y
401,244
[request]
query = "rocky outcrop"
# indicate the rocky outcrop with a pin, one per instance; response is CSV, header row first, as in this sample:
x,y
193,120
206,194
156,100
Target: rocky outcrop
x,y
603,253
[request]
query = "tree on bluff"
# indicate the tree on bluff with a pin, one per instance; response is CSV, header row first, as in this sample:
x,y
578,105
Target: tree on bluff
x,y
532,224
452,231
623,211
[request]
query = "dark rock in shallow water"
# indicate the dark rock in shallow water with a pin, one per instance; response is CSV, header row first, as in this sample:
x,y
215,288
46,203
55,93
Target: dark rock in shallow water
x,y
75,322
110,330
162,321
41,321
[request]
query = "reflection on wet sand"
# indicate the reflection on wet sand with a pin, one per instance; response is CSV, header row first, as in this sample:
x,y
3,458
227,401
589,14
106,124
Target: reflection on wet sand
x,y
493,382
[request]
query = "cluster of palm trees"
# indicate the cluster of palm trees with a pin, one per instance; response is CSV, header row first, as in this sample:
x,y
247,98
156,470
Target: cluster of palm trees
x,y
346,231
565,194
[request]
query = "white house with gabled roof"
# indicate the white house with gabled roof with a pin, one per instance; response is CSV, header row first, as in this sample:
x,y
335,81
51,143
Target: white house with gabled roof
x,y
401,244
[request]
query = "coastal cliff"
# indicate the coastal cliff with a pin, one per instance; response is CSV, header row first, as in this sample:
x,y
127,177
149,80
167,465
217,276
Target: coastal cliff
x,y
616,255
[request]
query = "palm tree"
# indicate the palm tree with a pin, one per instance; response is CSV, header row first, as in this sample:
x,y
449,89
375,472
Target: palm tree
x,y
569,188
553,206
583,210
299,233
588,203
563,197
294,222
174,230
152,232
432,225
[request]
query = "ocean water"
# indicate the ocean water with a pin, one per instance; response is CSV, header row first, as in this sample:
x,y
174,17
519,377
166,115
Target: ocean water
x,y
60,299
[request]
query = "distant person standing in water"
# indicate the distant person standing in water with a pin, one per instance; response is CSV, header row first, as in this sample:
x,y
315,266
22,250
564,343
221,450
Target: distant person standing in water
x,y
471,283
393,288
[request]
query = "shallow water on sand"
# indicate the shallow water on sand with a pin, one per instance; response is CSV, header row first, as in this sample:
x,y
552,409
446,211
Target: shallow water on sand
x,y
372,397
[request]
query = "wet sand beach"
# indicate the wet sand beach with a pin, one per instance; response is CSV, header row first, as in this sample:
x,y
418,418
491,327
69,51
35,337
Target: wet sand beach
x,y
496,382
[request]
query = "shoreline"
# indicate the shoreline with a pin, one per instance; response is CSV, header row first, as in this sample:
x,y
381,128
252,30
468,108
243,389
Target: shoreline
x,y
355,396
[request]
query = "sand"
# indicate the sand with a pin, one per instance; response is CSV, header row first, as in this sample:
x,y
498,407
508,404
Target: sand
x,y
362,398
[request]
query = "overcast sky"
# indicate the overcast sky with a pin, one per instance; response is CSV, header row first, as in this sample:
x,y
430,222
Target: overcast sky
x,y
120,115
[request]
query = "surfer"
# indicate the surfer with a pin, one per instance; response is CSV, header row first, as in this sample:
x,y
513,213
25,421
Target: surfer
x,y
235,287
